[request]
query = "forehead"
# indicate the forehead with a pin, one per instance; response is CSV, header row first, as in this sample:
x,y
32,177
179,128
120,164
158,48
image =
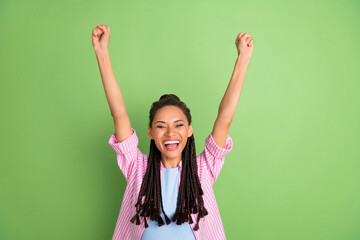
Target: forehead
x,y
169,113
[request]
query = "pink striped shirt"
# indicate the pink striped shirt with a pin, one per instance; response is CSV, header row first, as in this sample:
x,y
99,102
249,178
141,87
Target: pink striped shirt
x,y
133,163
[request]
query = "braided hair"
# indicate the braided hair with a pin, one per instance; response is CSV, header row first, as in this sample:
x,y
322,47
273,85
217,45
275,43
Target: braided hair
x,y
190,200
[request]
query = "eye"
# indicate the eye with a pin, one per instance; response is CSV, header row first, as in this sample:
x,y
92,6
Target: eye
x,y
179,125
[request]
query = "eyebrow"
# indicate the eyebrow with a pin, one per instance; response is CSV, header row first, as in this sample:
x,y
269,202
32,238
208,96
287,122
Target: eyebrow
x,y
174,121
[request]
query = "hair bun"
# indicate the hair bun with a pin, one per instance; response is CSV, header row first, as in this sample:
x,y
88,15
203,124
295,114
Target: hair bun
x,y
165,96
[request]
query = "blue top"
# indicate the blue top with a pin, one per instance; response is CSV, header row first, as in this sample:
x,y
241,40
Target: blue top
x,y
169,192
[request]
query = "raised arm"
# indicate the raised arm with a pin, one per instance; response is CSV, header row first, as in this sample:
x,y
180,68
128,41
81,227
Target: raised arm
x,y
228,104
100,41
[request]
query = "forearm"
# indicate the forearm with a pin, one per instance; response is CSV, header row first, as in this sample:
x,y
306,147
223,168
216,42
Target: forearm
x,y
231,97
111,87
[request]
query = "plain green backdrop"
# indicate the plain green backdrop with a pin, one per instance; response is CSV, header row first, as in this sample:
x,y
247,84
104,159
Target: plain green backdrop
x,y
294,171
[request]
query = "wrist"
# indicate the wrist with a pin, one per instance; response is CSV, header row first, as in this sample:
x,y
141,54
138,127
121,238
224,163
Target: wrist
x,y
241,60
101,51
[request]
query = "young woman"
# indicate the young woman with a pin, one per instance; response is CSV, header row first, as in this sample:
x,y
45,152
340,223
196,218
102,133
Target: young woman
x,y
169,192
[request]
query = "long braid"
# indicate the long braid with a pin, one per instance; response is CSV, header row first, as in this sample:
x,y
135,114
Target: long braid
x,y
190,200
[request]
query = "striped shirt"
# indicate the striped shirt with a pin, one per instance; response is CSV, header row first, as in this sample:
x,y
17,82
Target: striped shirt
x,y
133,163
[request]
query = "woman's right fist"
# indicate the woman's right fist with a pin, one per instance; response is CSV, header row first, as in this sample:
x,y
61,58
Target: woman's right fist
x,y
100,37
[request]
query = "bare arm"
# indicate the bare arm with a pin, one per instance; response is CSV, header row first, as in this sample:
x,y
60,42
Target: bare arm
x,y
114,96
232,94
100,42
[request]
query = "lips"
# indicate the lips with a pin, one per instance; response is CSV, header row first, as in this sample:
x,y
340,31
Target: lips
x,y
172,146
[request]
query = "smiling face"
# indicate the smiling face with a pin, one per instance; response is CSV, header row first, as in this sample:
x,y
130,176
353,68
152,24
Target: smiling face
x,y
170,122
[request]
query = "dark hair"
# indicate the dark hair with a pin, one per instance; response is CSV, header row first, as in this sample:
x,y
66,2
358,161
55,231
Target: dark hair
x,y
190,198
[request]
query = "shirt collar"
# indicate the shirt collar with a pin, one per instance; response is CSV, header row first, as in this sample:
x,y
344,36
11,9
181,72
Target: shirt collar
x,y
162,165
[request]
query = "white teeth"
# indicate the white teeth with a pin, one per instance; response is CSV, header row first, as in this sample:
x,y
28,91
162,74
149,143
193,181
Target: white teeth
x,y
169,142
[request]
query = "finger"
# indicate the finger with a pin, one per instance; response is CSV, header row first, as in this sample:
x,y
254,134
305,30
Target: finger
x,y
242,35
246,35
249,37
95,32
238,36
248,40
98,32
103,28
99,29
107,28
251,43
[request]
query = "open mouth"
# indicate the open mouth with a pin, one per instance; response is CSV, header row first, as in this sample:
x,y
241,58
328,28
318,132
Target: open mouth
x,y
171,146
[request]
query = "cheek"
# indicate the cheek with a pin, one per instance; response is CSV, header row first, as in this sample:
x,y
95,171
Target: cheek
x,y
185,134
159,145
156,137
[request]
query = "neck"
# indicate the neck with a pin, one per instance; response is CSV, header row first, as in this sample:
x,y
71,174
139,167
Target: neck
x,y
170,162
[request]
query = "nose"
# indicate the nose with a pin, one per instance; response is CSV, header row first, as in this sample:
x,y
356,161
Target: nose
x,y
170,131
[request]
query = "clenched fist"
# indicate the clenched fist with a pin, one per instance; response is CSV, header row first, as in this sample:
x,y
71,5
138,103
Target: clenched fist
x,y
244,45
100,37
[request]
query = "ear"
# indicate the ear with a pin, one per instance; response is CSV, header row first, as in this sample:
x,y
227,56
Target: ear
x,y
149,133
190,132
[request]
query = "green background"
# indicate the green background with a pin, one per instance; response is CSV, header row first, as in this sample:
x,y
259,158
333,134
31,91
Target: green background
x,y
294,170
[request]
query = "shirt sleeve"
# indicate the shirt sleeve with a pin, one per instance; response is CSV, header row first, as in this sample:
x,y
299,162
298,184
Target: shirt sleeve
x,y
214,156
127,152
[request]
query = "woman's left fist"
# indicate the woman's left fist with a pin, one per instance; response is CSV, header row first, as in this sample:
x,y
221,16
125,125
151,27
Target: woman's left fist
x,y
244,45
